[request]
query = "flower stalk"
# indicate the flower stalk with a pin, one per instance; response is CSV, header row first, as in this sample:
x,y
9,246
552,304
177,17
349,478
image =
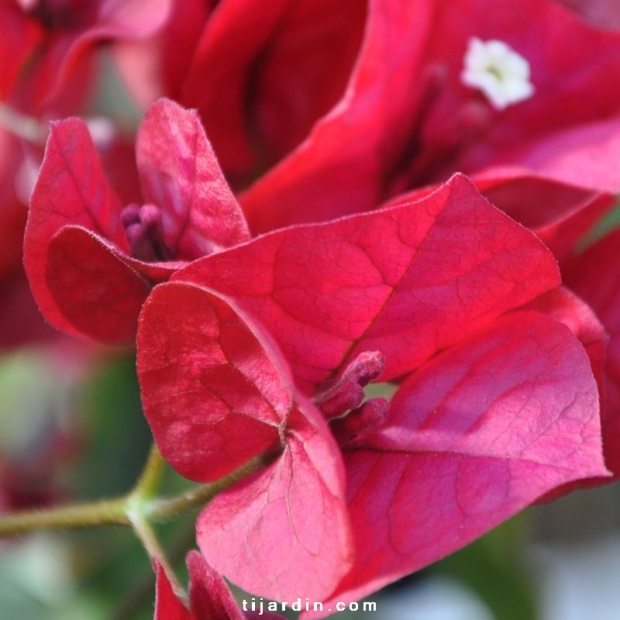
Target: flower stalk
x,y
138,509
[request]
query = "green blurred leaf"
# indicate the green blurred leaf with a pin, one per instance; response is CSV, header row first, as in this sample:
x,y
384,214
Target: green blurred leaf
x,y
493,568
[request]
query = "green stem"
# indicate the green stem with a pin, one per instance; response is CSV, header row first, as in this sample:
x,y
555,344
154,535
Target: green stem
x,y
128,509
107,512
145,532
164,509
151,475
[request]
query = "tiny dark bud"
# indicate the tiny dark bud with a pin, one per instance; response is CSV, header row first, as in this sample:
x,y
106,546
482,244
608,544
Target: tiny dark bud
x,y
145,232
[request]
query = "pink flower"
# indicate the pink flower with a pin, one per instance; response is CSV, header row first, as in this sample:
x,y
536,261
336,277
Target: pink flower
x,y
408,119
264,349
336,110
91,260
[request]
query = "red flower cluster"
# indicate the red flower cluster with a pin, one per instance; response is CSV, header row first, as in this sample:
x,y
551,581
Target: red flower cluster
x,y
317,236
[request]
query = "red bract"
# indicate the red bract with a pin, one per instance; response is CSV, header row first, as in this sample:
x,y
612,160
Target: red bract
x,y
390,110
559,213
209,596
471,436
91,261
46,43
498,405
233,399
267,90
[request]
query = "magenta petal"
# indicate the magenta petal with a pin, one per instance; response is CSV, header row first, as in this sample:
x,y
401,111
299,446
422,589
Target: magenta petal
x,y
283,533
585,154
563,212
216,393
94,286
558,212
477,434
212,392
167,604
404,281
72,170
564,306
340,168
229,52
210,598
180,174
261,79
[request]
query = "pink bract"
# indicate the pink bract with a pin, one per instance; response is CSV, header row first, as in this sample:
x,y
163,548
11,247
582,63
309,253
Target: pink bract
x,y
389,112
92,261
497,404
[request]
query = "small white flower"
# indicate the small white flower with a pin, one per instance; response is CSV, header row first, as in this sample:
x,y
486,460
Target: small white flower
x,y
498,71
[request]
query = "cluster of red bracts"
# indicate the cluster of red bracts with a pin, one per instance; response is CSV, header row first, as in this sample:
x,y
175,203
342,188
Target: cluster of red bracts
x,y
307,229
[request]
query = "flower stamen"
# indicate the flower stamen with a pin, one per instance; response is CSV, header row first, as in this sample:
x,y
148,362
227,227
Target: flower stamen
x,y
145,233
498,71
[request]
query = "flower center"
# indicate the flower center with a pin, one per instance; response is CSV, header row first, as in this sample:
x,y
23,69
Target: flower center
x,y
145,233
347,391
498,71
342,401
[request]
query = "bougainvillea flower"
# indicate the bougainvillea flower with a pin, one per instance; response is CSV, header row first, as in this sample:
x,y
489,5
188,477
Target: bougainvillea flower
x,y
266,346
403,116
209,596
260,79
408,119
45,42
91,260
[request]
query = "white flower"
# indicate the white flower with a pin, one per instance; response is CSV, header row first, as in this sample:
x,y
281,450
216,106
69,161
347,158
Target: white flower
x,y
498,71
